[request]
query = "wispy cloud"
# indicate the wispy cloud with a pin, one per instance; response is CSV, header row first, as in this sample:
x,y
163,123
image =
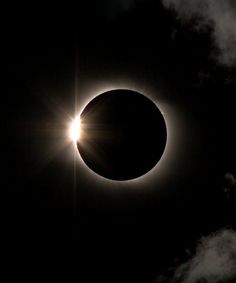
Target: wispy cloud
x,y
115,7
220,15
231,179
213,262
230,187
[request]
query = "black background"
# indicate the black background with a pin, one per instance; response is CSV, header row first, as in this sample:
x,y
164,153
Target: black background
x,y
103,232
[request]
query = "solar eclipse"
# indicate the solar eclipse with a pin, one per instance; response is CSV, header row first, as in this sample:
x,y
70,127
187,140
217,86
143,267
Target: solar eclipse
x,y
121,134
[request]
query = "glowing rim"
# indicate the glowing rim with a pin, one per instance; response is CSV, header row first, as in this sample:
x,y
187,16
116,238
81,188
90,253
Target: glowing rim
x,y
167,154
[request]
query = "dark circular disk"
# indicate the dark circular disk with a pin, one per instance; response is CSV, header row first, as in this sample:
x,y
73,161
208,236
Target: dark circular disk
x,y
123,134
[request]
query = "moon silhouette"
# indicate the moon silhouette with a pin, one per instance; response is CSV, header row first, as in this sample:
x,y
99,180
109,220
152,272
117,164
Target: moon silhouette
x,y
123,135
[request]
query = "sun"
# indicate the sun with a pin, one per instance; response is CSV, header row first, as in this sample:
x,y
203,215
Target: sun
x,y
74,129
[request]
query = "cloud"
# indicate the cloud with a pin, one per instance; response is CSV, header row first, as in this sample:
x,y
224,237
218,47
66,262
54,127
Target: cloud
x,y
218,14
231,179
115,7
230,188
213,262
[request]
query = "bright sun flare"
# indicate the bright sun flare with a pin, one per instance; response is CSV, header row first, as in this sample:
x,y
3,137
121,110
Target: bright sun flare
x,y
74,132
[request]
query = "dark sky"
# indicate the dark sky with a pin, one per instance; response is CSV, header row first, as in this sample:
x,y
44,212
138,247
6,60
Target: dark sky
x,y
98,231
